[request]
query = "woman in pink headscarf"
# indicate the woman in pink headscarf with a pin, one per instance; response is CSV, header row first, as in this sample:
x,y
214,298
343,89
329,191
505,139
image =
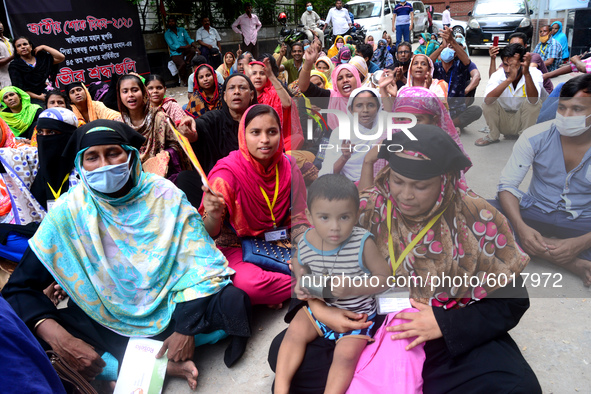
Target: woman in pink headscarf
x,y
428,109
258,169
345,78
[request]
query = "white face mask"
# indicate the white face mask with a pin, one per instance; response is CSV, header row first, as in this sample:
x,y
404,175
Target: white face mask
x,y
571,126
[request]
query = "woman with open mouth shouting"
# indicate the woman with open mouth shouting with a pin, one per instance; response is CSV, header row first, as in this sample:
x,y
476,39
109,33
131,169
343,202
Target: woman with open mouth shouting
x,y
345,78
271,92
134,105
420,73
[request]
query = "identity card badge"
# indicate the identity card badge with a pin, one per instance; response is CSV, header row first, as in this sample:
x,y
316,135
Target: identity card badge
x,y
393,300
276,235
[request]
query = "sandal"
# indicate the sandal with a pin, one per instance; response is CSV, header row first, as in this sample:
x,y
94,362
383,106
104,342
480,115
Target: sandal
x,y
484,141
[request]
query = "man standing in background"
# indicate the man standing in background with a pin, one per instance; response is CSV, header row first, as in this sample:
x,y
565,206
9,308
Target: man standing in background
x,y
249,27
446,17
403,21
341,22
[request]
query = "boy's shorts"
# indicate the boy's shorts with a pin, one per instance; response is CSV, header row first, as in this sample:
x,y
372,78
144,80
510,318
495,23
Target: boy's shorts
x,y
326,332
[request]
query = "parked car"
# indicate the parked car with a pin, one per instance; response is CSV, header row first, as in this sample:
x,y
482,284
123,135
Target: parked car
x,y
376,16
457,26
497,18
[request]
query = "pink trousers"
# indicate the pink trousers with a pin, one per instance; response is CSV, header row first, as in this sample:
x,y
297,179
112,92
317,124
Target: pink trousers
x,y
263,287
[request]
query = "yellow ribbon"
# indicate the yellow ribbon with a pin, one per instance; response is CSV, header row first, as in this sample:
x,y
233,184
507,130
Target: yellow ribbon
x,y
272,206
59,192
396,263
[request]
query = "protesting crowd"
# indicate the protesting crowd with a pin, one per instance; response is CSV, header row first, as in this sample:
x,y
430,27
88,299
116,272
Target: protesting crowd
x,y
136,216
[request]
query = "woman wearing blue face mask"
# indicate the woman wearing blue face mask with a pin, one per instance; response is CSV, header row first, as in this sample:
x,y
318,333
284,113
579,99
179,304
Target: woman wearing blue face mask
x,y
135,259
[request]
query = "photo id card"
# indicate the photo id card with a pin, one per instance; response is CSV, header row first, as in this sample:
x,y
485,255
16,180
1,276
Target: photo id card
x,y
50,204
393,300
276,235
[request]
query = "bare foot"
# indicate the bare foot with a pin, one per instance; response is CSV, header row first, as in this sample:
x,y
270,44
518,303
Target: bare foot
x,y
275,306
183,369
581,268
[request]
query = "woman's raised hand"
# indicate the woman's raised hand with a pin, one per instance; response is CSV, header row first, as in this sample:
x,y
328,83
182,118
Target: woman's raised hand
x,y
268,69
313,51
386,79
347,149
213,204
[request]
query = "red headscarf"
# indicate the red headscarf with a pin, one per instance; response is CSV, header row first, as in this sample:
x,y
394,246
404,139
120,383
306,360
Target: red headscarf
x,y
239,178
289,117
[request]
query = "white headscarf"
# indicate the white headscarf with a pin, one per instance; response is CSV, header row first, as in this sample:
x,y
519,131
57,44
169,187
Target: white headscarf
x,y
352,169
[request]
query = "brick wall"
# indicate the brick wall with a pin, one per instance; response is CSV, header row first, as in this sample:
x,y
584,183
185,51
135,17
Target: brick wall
x,y
459,9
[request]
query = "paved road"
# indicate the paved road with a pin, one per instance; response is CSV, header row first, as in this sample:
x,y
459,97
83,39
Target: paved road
x,y
554,335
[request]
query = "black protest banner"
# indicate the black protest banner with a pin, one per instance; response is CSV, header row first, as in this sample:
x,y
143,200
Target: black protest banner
x,y
99,38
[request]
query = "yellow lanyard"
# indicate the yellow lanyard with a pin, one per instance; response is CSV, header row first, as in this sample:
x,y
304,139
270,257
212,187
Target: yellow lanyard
x,y
59,192
271,206
7,43
543,48
410,245
522,89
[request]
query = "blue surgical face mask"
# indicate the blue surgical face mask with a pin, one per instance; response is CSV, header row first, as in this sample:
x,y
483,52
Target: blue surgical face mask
x,y
306,47
309,8
343,61
108,179
447,55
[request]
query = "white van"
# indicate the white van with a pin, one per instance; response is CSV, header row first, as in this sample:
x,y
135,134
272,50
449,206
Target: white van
x,y
376,16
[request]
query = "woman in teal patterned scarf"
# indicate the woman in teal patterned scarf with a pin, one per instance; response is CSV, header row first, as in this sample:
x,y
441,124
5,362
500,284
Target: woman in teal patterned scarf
x,y
135,259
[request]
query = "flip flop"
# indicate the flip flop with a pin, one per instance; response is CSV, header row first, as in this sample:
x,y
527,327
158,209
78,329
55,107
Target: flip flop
x,y
484,141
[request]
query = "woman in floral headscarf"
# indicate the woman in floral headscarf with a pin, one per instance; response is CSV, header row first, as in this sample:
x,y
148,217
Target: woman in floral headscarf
x,y
342,57
206,92
429,224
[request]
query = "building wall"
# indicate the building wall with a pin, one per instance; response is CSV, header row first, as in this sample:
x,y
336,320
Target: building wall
x,y
459,9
